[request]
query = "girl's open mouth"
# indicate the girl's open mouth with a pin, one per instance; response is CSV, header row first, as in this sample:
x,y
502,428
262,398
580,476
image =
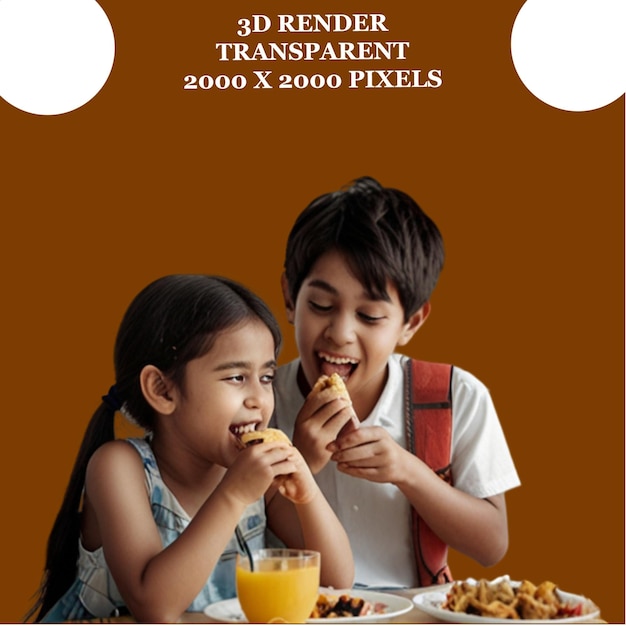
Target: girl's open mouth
x,y
239,429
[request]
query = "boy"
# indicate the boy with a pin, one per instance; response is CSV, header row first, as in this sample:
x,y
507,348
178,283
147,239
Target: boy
x,y
360,266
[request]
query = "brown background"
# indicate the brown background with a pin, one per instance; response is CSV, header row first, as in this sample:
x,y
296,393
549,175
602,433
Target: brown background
x,y
147,179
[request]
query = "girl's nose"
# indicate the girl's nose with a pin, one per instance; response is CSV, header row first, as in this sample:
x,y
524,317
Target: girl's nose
x,y
253,399
257,396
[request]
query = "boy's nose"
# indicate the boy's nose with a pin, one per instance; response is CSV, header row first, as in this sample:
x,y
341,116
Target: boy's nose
x,y
340,330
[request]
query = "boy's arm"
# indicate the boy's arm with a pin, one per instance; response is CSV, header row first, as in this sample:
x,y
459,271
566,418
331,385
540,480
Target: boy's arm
x,y
474,526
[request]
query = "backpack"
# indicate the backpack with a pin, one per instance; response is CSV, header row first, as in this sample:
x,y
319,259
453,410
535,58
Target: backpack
x,y
428,415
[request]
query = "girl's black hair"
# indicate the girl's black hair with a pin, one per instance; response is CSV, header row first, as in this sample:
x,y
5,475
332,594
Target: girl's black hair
x,y
383,234
172,321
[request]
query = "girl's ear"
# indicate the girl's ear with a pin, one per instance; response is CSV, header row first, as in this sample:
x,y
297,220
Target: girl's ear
x,y
289,306
156,389
414,323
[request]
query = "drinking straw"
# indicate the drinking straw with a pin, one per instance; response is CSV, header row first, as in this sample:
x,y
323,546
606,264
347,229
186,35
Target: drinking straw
x,y
245,547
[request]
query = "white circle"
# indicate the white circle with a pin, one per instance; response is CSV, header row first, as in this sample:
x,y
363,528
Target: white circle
x,y
571,54
55,55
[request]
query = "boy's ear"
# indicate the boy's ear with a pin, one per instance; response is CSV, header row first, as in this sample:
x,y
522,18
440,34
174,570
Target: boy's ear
x,y
414,323
289,306
157,389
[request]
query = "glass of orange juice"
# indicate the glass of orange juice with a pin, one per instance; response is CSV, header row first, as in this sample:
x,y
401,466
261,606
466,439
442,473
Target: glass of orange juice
x,y
282,586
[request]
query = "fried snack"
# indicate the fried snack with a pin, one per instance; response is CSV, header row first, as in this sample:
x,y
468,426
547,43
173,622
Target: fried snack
x,y
503,601
330,607
334,382
499,610
260,436
529,607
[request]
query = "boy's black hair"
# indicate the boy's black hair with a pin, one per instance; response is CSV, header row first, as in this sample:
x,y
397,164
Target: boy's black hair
x,y
172,321
383,234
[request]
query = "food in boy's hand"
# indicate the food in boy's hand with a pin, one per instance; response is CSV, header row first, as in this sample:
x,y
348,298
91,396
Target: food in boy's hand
x,y
260,436
330,606
334,382
502,600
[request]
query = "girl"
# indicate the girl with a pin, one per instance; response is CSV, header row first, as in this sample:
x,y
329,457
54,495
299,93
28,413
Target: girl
x,y
152,526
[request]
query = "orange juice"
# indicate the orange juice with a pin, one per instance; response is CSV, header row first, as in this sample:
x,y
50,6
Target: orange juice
x,y
280,589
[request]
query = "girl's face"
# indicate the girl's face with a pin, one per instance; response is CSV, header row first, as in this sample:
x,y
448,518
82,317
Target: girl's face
x,y
226,392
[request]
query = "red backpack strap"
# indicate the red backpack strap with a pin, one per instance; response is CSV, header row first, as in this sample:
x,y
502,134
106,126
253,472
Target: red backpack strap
x,y
428,414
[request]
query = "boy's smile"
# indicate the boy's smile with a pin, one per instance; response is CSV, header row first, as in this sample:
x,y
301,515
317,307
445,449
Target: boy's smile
x,y
341,328
343,365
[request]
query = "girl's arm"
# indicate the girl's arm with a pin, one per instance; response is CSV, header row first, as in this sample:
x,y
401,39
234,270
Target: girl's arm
x,y
300,516
159,584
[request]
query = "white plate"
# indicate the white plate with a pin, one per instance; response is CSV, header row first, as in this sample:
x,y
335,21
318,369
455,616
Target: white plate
x,y
230,611
431,601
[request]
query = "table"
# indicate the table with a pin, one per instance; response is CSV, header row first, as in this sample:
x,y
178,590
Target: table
x,y
414,616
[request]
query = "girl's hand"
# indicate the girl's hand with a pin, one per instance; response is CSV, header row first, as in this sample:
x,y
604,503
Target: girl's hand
x,y
255,469
319,422
371,453
298,486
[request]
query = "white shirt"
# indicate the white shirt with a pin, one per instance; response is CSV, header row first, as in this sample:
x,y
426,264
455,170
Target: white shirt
x,y
377,516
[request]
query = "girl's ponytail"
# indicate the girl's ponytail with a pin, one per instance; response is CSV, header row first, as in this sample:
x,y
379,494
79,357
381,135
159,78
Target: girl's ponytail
x,y
62,550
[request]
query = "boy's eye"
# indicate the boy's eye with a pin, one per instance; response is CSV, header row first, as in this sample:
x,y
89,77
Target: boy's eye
x,y
371,319
319,307
267,379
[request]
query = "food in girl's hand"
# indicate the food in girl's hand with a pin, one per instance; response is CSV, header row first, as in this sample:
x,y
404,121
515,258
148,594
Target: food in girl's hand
x,y
330,606
503,600
260,436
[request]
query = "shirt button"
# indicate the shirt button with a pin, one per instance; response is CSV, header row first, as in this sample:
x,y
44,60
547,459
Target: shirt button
x,y
355,507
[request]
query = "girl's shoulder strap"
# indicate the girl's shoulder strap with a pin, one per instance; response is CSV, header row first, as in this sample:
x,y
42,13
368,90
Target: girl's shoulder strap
x,y
153,476
142,446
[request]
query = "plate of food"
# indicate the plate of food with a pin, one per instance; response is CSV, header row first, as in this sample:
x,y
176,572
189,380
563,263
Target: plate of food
x,y
337,606
494,601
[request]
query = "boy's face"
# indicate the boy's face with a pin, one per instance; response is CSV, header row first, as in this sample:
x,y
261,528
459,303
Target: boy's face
x,y
340,328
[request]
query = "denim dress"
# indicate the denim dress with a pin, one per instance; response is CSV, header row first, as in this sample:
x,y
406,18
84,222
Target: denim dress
x,y
94,593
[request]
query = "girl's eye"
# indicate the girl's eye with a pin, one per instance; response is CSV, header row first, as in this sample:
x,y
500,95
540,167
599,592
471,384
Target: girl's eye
x,y
267,379
319,307
237,378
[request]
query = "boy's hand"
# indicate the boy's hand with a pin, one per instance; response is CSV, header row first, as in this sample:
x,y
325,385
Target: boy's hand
x,y
370,453
319,422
